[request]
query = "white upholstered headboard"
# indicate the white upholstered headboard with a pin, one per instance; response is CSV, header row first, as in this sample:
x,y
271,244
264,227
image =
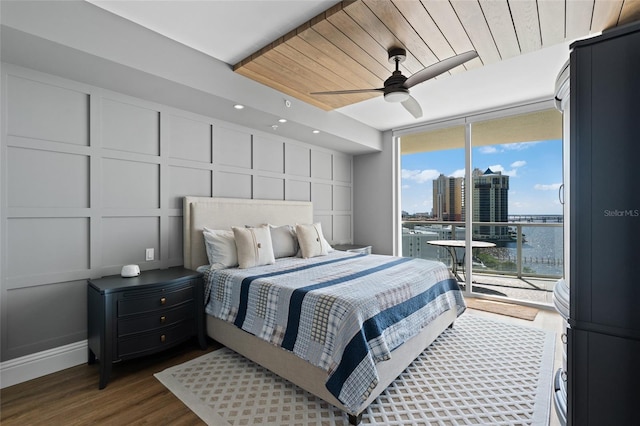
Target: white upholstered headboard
x,y
223,213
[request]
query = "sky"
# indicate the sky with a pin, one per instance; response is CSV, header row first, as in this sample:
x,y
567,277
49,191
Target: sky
x,y
534,170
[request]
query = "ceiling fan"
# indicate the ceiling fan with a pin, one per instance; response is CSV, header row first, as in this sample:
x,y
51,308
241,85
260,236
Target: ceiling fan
x,y
396,88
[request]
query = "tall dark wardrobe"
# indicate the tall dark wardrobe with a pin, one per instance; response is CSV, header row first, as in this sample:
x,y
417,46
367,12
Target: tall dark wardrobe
x,y
603,346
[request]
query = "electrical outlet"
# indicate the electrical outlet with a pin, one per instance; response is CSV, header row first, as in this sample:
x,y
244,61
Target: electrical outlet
x,y
149,254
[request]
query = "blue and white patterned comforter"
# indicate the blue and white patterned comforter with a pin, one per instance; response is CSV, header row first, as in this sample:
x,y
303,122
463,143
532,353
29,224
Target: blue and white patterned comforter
x,y
343,312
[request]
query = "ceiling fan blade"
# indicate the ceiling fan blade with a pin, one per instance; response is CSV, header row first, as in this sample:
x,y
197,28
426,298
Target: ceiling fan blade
x,y
413,107
347,92
439,68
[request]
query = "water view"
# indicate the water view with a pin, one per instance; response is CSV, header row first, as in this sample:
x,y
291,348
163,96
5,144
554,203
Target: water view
x,y
542,250
542,247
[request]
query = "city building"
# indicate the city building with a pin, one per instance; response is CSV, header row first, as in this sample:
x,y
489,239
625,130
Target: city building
x,y
448,198
490,203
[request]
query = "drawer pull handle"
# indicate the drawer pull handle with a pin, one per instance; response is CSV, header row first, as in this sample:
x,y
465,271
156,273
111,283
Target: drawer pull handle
x,y
163,338
163,300
163,319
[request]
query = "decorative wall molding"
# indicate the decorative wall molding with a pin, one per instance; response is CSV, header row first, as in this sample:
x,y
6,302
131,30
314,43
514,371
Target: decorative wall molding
x,y
105,172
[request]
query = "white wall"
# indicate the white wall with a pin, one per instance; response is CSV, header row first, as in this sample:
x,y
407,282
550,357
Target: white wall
x,y
92,177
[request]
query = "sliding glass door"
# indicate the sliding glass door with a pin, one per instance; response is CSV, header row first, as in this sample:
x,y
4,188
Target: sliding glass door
x,y
501,175
432,185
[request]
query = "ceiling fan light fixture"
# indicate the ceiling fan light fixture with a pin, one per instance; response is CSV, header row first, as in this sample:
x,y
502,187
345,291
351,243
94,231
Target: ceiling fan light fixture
x,y
397,96
396,87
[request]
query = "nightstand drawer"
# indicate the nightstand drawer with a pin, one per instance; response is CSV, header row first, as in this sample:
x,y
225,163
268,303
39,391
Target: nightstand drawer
x,y
156,320
154,341
147,301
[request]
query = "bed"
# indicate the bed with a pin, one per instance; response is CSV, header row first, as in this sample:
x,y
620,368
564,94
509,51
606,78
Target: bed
x,y
349,382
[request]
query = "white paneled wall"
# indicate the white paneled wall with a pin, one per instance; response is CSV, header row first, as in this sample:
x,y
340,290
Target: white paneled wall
x,y
93,178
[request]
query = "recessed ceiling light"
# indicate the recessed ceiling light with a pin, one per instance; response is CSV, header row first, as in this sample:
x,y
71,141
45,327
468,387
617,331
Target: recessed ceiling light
x,y
238,106
316,132
283,120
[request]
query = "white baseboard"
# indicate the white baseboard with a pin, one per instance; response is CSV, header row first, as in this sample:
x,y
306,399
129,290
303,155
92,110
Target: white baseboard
x,y
42,363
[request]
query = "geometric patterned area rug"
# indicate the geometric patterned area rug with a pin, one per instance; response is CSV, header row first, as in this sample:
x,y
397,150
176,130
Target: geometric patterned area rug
x,y
480,372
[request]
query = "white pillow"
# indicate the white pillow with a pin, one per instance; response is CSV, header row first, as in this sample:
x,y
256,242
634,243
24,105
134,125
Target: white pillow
x,y
312,242
254,246
284,241
221,248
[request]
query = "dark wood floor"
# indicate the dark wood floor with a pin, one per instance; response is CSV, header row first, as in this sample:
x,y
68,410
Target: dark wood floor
x,y
133,395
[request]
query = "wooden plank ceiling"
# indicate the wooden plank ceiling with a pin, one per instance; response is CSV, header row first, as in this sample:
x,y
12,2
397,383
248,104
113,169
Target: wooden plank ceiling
x,y
346,46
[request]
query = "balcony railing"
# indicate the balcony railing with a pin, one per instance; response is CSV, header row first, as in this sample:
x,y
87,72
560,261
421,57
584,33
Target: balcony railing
x,y
523,249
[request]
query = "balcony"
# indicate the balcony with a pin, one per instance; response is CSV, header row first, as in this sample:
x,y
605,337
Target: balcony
x,y
523,267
